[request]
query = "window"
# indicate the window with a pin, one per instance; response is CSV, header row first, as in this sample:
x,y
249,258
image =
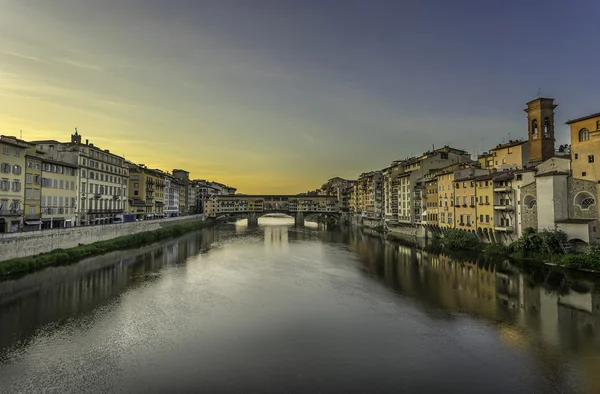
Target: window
x,y
28,193
36,194
598,125
17,169
468,220
576,156
590,158
462,220
55,183
481,218
487,218
16,186
534,128
547,127
503,161
62,184
529,201
83,187
519,177
17,152
136,185
584,200
37,179
449,218
584,135
29,178
583,173
6,150
72,185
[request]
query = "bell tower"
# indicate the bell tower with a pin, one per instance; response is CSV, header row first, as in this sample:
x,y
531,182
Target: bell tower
x,y
540,120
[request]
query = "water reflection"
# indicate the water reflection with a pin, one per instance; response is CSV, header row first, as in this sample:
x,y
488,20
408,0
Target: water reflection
x,y
527,313
354,297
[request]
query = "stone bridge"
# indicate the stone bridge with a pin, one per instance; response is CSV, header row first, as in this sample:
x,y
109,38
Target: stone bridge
x,y
252,207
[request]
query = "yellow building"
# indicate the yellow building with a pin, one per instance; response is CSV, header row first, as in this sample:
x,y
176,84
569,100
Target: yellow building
x,y
142,183
12,178
511,155
484,192
33,189
431,199
486,161
465,214
585,147
159,193
445,181
59,194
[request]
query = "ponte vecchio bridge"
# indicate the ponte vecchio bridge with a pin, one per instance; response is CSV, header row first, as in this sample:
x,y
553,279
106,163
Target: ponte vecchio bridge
x,y
252,207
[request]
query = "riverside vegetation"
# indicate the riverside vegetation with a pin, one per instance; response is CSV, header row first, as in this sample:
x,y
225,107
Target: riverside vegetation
x,y
545,245
73,255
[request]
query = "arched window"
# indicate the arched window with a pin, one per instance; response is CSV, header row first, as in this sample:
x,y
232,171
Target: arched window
x,y
546,127
584,135
585,200
534,128
529,201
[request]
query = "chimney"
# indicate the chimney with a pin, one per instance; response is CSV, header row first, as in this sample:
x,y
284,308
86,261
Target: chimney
x,y
87,142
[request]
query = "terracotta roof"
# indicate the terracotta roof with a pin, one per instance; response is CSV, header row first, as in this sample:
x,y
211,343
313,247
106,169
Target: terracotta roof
x,y
583,118
575,221
508,145
552,173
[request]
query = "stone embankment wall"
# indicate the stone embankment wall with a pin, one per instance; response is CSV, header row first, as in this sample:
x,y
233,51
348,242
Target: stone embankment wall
x,y
13,245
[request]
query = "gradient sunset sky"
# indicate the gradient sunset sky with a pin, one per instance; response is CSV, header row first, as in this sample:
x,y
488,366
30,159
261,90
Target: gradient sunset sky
x,y
278,96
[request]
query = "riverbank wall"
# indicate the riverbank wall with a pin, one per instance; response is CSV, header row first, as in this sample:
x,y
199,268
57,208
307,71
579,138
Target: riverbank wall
x,y
414,234
16,245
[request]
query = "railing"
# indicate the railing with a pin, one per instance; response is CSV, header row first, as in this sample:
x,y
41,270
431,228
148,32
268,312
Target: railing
x,y
97,195
508,229
503,189
11,212
95,210
504,207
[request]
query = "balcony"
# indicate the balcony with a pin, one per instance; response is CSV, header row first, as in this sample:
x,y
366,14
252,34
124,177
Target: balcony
x,y
32,217
504,207
503,189
11,212
97,195
96,210
115,196
149,189
507,229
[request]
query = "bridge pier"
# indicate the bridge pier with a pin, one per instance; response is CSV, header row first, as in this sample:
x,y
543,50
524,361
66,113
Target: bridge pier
x,y
252,219
299,219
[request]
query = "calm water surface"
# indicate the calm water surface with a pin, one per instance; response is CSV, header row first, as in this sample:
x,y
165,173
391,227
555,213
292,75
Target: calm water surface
x,y
285,309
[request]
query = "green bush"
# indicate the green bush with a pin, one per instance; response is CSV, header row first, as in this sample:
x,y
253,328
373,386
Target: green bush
x,y
494,248
454,239
77,253
543,243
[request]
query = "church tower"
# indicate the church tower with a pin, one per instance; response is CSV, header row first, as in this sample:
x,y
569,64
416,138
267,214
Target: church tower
x,y
540,118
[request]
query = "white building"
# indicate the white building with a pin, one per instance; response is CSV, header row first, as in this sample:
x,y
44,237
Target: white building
x,y
171,197
103,178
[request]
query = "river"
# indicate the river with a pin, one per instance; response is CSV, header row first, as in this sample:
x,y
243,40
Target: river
x,y
286,309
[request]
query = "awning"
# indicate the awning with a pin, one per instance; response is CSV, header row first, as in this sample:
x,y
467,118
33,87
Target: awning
x,y
33,222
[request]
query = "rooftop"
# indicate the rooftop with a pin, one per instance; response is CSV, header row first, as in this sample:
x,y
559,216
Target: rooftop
x,y
596,115
509,144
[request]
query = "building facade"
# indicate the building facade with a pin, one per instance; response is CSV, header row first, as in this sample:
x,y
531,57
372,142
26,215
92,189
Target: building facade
x,y
33,190
59,194
12,179
103,178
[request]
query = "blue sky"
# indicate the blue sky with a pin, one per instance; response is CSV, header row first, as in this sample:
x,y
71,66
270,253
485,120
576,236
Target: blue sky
x,y
278,96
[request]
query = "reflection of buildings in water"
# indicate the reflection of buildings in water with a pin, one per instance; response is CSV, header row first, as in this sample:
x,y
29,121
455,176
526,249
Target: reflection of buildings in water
x,y
276,237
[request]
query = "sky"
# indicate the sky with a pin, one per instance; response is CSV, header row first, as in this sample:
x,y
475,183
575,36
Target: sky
x,y
277,96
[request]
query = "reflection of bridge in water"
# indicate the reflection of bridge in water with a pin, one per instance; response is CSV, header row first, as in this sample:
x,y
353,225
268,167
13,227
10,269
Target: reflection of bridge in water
x,y
255,206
